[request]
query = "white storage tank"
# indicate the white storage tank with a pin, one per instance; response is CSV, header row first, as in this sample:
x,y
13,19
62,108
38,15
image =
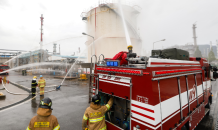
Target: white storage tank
x,y
105,24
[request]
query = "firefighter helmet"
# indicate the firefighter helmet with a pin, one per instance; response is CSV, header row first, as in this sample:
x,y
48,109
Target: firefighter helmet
x,y
46,103
35,77
40,76
96,99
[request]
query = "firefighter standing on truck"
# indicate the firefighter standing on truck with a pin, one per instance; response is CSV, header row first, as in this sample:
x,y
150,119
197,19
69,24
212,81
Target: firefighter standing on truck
x,y
33,86
44,120
41,84
95,114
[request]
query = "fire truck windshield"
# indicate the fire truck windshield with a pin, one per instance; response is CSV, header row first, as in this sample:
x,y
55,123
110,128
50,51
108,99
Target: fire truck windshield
x,y
4,67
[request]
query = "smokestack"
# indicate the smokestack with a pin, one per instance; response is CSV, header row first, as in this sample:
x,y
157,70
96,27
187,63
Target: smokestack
x,y
194,34
41,40
210,45
54,49
59,49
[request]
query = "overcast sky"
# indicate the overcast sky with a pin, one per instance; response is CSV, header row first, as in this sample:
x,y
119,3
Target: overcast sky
x,y
173,19
159,19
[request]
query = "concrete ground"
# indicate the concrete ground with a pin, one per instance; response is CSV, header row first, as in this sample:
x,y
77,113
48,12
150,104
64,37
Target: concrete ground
x,y
69,105
10,98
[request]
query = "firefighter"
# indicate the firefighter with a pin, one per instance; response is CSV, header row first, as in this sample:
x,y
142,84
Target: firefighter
x,y
95,114
41,84
44,120
34,84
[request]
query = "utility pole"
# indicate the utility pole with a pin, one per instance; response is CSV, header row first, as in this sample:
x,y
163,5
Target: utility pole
x,y
41,40
194,34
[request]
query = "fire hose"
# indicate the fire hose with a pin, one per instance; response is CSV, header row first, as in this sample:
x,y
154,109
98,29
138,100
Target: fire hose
x,y
27,88
12,92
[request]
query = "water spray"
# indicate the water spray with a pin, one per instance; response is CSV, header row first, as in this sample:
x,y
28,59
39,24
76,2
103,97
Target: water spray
x,y
128,41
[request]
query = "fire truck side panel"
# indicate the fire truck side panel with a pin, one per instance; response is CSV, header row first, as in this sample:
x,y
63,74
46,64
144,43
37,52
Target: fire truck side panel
x,y
156,100
200,88
142,104
143,126
196,116
184,96
192,92
111,126
169,102
111,84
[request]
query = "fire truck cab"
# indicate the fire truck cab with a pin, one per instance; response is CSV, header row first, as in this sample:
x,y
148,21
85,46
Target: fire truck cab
x,y
153,93
4,68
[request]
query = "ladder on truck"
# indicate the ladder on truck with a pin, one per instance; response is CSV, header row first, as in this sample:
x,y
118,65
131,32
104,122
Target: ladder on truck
x,y
93,85
94,79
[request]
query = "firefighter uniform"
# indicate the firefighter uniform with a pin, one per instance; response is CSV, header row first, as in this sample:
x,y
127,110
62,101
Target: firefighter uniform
x,y
44,120
41,84
95,115
33,86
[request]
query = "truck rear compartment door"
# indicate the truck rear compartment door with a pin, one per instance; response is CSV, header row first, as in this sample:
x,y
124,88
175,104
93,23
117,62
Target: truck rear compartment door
x,y
116,85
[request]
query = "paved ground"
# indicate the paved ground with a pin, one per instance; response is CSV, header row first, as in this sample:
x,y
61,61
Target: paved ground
x,y
69,105
10,98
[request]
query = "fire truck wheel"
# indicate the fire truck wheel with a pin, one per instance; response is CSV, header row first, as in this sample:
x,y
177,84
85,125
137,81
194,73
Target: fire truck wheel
x,y
184,128
208,106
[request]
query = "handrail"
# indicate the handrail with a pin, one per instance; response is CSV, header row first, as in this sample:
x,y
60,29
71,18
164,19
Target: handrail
x,y
100,56
91,62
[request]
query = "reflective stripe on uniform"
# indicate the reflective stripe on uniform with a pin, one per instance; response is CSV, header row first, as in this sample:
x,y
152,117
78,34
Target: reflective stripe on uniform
x,y
33,83
104,128
28,128
42,85
42,91
57,127
97,119
33,93
108,106
85,118
33,87
41,82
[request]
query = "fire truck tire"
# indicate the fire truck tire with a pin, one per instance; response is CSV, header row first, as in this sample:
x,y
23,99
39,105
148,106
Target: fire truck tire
x,y
184,128
210,99
208,106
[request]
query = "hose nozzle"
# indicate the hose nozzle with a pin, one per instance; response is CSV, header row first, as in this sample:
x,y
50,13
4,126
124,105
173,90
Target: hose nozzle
x,y
58,88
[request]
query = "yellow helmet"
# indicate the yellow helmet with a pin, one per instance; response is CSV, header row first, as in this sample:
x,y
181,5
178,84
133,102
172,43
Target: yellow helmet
x,y
35,77
130,47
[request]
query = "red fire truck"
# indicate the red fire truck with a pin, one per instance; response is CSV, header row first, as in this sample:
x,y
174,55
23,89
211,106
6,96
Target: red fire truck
x,y
155,93
4,68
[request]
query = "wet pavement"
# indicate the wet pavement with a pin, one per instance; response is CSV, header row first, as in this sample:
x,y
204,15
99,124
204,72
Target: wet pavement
x,y
69,105
10,98
209,122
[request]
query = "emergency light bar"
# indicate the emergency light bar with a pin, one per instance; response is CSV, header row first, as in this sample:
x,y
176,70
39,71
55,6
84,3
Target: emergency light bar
x,y
168,72
121,71
113,63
